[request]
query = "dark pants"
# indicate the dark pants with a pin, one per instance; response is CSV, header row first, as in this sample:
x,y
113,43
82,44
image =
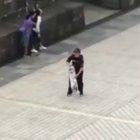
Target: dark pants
x,y
38,42
80,86
33,42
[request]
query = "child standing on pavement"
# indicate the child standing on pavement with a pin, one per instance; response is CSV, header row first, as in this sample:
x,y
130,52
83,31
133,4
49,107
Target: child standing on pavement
x,y
78,62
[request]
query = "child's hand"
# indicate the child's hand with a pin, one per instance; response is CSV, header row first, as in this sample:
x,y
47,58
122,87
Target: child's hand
x,y
76,76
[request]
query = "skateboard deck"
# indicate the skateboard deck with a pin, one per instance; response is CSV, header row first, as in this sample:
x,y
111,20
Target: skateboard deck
x,y
72,77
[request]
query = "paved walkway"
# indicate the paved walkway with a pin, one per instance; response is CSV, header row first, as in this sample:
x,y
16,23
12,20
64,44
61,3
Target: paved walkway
x,y
35,106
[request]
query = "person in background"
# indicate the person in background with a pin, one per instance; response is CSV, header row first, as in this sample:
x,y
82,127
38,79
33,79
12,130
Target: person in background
x,y
25,32
36,34
38,26
78,62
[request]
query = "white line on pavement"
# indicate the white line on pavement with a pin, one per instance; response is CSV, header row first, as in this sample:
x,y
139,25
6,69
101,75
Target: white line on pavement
x,y
38,105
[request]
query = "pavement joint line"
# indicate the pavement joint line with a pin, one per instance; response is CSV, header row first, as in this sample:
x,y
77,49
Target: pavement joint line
x,y
54,109
115,53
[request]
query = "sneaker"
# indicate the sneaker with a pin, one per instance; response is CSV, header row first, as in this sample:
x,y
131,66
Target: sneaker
x,y
43,47
34,51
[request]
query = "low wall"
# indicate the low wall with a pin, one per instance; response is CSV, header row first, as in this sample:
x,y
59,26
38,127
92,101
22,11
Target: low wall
x,y
59,22
69,20
114,4
8,45
16,7
10,6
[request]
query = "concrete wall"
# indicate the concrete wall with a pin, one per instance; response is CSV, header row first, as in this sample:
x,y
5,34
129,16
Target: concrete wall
x,y
128,3
119,4
40,3
114,4
8,47
69,20
9,6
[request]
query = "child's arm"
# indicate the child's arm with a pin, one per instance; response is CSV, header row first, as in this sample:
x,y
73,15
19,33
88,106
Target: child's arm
x,y
69,59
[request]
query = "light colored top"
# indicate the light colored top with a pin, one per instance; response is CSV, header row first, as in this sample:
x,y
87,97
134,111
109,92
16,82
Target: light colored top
x,y
39,20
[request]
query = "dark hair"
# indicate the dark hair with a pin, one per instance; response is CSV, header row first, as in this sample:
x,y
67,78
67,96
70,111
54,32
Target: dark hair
x,y
34,19
38,12
27,16
77,50
30,13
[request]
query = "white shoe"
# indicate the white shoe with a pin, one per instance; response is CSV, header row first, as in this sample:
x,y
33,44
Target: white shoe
x,y
43,47
34,51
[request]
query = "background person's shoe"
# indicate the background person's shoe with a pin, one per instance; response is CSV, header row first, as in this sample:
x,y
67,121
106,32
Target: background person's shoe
x,y
34,51
43,47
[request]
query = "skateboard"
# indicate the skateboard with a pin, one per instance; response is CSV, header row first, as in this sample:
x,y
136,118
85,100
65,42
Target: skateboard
x,y
72,77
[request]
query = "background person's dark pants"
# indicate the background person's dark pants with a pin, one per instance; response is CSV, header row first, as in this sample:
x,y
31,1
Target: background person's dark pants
x,y
33,42
39,42
80,86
